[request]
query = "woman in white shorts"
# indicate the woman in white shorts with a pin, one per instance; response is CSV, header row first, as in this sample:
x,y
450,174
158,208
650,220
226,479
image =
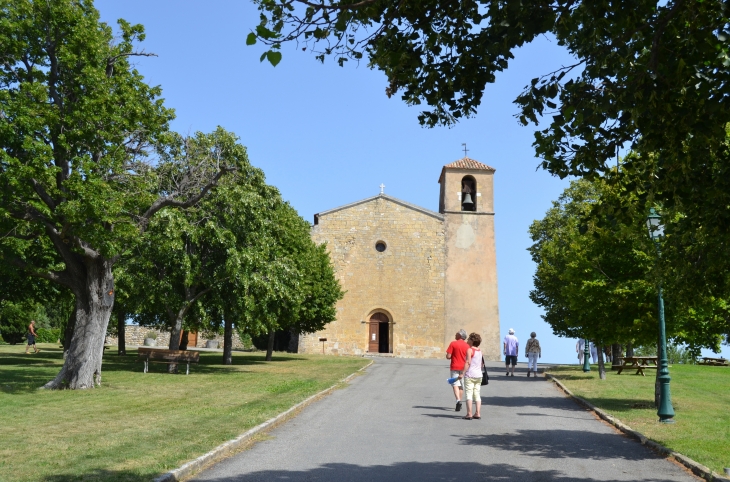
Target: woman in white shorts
x,y
473,377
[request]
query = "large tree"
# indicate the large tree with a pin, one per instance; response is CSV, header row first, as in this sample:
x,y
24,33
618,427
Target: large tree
x,y
77,122
649,75
597,278
186,257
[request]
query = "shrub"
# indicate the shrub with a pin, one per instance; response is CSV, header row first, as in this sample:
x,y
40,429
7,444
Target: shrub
x,y
151,334
14,321
48,335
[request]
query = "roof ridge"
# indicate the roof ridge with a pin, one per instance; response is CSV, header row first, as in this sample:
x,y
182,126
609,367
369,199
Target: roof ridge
x,y
469,163
403,203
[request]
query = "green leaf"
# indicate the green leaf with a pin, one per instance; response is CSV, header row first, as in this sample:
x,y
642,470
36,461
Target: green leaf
x,y
274,57
251,39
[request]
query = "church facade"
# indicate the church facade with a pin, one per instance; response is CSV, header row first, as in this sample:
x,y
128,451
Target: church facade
x,y
413,277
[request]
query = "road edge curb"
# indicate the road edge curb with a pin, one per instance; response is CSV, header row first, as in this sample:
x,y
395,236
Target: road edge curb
x,y
696,468
224,450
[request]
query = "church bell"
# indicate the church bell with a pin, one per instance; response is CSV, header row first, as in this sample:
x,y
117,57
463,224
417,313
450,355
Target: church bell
x,y
468,203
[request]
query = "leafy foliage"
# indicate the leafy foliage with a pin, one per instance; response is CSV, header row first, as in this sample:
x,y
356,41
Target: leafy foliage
x,y
597,277
650,76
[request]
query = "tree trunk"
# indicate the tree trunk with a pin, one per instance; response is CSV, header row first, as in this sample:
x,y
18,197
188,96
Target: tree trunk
x,y
601,364
121,333
175,336
270,347
69,332
228,339
82,366
629,350
615,356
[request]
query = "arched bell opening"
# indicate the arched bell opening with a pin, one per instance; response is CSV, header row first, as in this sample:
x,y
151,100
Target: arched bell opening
x,y
468,194
379,333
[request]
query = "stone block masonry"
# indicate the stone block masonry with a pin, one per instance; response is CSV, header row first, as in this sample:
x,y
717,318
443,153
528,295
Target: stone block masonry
x,y
135,335
405,281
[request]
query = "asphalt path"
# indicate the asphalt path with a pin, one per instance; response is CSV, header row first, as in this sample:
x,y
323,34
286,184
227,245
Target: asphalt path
x,y
397,422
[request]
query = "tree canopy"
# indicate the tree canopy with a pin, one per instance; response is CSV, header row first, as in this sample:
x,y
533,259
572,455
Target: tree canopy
x,y
649,76
598,278
85,159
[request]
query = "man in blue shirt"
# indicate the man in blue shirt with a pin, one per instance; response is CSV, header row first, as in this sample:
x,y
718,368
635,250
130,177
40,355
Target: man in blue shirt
x,y
511,348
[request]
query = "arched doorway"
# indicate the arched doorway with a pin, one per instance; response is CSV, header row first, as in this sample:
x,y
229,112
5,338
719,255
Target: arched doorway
x,y
379,333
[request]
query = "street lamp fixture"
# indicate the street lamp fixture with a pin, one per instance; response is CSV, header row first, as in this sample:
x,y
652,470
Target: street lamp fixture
x,y
666,411
586,355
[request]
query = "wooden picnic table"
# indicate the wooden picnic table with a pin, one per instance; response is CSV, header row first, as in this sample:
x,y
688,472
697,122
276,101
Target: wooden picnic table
x,y
641,363
718,362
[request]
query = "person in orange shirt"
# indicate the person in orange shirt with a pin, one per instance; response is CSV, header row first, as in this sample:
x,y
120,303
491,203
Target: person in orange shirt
x,y
456,352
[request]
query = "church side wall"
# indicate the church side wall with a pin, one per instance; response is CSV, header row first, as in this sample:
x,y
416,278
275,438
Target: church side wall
x,y
406,281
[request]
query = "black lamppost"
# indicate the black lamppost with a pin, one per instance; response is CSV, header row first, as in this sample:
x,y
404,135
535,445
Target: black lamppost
x,y
666,411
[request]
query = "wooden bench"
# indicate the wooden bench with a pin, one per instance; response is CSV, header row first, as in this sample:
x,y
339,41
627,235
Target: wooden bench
x,y
170,357
640,363
715,362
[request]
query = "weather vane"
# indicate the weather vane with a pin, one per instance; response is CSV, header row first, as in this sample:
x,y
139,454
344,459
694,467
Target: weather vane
x,y
465,149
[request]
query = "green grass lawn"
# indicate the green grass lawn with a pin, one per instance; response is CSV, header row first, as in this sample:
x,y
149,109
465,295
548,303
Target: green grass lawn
x,y
701,399
138,425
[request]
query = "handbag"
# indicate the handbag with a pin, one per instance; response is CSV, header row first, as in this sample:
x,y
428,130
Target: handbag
x,y
485,375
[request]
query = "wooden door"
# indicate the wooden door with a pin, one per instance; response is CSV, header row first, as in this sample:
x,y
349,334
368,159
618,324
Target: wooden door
x,y
373,336
192,339
374,333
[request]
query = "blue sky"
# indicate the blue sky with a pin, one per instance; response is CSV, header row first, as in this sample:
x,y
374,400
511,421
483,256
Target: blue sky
x,y
327,136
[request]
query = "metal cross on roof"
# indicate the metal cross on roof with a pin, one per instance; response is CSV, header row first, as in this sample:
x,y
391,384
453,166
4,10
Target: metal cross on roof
x,y
465,149
382,188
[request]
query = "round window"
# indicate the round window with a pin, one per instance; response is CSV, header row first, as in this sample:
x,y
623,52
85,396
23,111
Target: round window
x,y
380,246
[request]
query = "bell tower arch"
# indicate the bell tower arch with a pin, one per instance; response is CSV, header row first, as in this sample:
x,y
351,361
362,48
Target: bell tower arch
x,y
470,294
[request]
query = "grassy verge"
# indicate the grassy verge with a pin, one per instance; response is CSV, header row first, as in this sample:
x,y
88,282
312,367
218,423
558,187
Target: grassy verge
x,y
701,399
138,425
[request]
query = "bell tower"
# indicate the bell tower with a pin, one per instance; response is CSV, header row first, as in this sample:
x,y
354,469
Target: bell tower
x,y
467,204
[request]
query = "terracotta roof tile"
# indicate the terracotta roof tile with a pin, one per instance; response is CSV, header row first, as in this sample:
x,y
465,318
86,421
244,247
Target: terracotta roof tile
x,y
466,163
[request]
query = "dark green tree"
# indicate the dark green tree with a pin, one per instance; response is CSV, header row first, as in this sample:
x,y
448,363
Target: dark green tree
x,y
77,188
650,76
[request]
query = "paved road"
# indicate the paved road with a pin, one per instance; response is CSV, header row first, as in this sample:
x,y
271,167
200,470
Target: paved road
x,y
397,422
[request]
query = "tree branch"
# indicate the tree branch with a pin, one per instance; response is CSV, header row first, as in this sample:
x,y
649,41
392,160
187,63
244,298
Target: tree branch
x,y
60,277
112,60
350,6
169,201
43,194
660,27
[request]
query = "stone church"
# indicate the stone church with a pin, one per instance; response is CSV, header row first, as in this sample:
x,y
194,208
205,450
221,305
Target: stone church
x,y
413,277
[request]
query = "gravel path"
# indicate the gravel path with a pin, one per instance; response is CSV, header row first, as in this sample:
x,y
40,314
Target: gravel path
x,y
397,422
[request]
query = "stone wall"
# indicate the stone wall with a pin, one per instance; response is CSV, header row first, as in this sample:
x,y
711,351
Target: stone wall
x,y
135,335
405,282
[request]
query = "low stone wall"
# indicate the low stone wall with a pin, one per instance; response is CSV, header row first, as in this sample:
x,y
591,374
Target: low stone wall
x,y
135,335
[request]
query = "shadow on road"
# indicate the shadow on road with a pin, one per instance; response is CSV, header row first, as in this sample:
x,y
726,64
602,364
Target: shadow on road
x,y
562,444
412,471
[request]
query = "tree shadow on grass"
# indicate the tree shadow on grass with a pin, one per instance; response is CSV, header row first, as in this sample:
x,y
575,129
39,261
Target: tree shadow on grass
x,y
412,471
21,373
626,404
99,475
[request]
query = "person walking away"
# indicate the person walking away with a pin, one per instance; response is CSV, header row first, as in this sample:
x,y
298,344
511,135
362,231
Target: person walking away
x,y
580,348
511,349
473,377
31,337
456,352
594,353
532,352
